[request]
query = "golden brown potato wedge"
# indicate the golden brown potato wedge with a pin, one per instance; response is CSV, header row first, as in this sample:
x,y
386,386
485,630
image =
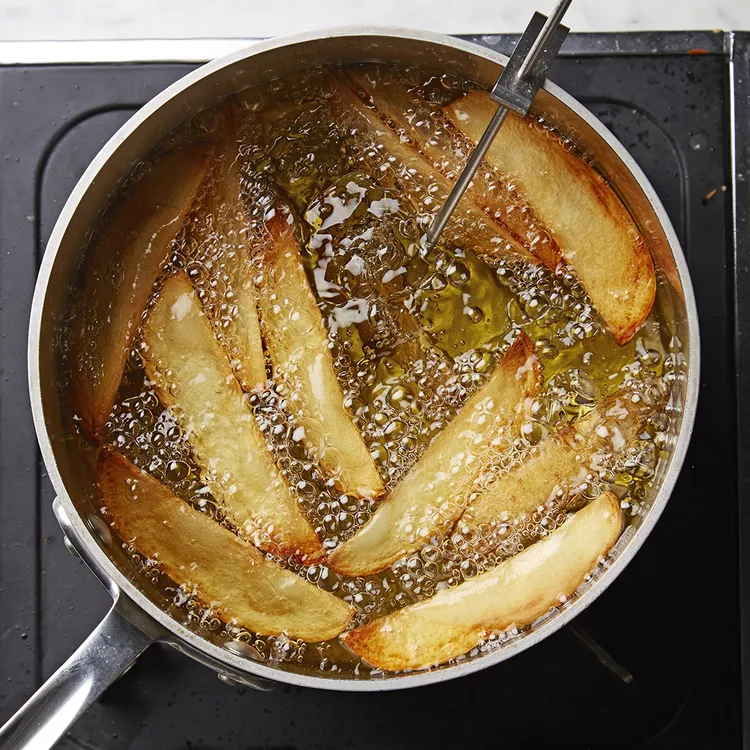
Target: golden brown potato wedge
x,y
195,551
220,233
595,232
561,463
126,257
193,376
437,489
401,165
298,344
447,151
516,592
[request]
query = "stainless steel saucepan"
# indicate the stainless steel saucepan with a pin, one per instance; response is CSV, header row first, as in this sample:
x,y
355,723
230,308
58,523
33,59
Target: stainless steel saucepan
x,y
135,620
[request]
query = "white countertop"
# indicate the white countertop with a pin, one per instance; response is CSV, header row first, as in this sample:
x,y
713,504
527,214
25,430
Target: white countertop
x,y
148,19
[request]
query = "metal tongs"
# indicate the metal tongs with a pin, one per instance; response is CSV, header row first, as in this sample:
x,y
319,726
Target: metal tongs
x,y
514,91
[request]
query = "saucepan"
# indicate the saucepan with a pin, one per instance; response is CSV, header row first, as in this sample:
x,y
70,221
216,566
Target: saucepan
x,y
136,620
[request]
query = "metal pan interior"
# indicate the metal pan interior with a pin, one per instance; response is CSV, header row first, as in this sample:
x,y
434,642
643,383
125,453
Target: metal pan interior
x,y
71,467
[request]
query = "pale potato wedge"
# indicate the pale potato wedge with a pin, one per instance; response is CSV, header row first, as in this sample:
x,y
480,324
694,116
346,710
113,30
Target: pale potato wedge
x,y
409,171
194,378
594,230
561,463
439,486
447,150
195,551
515,593
297,342
136,237
219,232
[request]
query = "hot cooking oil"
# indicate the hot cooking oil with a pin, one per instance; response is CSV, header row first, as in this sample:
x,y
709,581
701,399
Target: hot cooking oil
x,y
414,332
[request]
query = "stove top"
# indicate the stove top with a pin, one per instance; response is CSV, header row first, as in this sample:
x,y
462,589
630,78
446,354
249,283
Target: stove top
x,y
655,662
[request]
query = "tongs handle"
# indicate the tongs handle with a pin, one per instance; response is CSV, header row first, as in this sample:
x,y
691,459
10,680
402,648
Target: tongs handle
x,y
535,62
515,90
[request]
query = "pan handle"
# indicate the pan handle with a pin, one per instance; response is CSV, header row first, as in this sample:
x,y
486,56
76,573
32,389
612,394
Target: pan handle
x,y
107,653
99,661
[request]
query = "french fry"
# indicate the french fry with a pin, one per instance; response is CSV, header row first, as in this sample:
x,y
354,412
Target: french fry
x,y
298,344
415,176
561,464
439,486
447,151
246,344
137,235
219,230
516,592
596,234
197,552
193,376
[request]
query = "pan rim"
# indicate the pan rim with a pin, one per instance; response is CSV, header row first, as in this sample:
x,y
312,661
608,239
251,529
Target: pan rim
x,y
218,657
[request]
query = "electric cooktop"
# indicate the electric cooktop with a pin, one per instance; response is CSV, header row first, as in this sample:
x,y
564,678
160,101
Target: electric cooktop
x,y
657,661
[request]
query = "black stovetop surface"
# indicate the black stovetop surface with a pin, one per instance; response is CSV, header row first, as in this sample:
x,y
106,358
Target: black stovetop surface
x,y
673,618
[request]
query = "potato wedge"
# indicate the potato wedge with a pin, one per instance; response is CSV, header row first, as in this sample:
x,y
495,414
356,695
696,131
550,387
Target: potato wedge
x,y
220,233
399,164
193,376
594,230
197,552
245,343
136,237
297,341
439,486
447,150
516,592
563,460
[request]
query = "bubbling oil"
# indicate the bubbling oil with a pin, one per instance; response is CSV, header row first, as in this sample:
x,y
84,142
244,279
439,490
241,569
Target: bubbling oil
x,y
413,332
